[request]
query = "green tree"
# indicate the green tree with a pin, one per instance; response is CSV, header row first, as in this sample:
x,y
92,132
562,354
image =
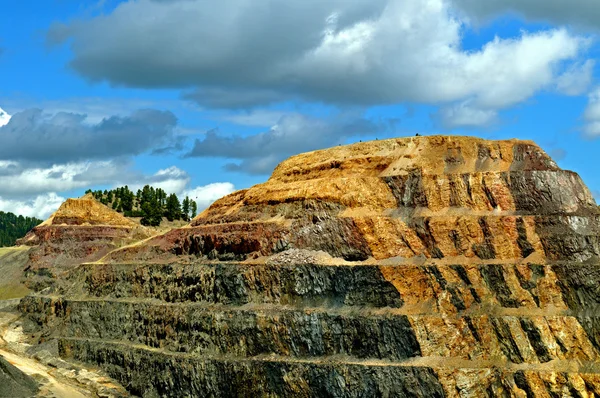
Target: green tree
x,y
13,227
185,208
173,208
194,208
152,214
127,199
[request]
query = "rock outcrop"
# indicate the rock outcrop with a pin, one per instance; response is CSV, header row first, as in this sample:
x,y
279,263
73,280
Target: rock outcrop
x,y
14,383
81,230
418,267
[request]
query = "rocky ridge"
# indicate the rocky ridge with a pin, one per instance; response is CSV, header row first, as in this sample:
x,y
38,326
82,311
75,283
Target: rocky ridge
x,y
81,230
417,267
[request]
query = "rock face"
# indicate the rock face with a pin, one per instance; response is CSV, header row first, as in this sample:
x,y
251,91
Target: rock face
x,y
80,230
419,267
437,197
14,383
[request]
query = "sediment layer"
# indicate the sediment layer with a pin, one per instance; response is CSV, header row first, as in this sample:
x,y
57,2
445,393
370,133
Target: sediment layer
x,y
419,267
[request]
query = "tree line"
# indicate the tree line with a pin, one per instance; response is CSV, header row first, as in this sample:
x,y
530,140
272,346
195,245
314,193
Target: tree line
x,y
152,204
13,227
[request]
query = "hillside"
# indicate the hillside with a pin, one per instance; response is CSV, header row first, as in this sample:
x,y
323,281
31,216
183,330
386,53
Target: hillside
x,y
412,267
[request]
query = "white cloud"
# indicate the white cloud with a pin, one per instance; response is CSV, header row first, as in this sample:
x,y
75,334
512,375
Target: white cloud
x,y
465,115
207,194
33,192
40,206
16,181
4,117
592,115
171,180
576,79
361,52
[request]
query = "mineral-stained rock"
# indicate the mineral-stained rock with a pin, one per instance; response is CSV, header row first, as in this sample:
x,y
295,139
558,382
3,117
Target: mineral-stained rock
x,y
80,230
419,267
435,196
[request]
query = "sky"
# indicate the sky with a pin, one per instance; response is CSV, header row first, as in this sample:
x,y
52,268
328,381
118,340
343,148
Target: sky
x,y
203,97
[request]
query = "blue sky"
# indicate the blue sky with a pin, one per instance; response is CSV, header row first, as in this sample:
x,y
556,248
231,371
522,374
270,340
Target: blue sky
x,y
204,97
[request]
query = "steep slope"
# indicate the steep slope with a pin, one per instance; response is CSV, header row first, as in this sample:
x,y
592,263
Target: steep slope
x,y
13,261
434,196
417,267
14,383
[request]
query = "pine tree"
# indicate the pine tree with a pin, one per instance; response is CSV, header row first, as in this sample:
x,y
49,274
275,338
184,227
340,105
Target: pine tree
x,y
13,227
127,199
194,208
152,214
173,208
185,208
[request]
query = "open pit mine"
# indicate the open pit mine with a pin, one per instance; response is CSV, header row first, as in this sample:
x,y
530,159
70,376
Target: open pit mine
x,y
411,267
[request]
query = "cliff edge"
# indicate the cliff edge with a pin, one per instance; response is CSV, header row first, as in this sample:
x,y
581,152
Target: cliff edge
x,y
437,197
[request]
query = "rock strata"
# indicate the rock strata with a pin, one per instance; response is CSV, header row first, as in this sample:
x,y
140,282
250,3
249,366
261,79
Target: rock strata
x,y
417,267
80,230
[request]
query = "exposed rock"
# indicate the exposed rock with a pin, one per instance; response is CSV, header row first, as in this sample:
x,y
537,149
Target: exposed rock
x,y
14,383
432,196
80,230
419,267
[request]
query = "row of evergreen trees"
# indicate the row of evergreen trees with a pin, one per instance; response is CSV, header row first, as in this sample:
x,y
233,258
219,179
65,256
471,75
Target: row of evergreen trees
x,y
13,227
152,204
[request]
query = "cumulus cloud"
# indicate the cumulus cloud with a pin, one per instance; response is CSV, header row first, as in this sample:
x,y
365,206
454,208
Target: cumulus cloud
x,y
34,191
573,12
19,181
576,79
342,52
207,194
34,136
293,133
40,206
171,180
95,108
465,115
4,117
592,115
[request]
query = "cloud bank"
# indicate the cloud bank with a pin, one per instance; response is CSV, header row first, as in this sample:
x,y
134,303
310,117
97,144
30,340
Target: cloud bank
x,y
350,52
34,136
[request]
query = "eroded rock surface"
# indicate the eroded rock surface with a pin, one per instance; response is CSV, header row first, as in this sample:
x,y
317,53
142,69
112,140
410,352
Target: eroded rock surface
x,y
418,267
81,230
